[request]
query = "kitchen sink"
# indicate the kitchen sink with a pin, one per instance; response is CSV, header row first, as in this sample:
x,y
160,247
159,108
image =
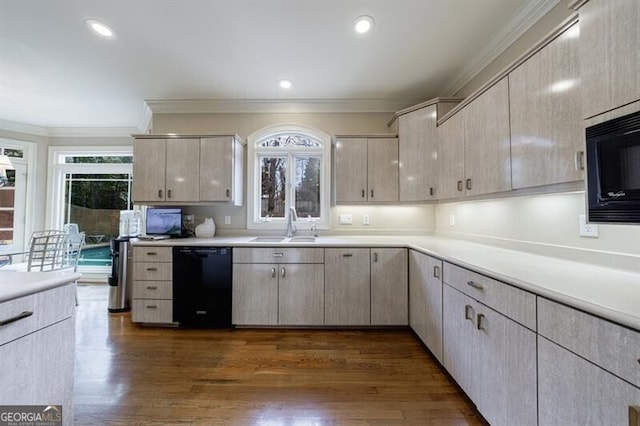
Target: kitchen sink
x,y
267,240
302,239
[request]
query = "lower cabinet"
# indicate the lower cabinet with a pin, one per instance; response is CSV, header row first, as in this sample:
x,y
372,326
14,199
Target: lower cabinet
x,y
152,291
255,294
425,300
301,294
389,286
347,286
573,391
492,358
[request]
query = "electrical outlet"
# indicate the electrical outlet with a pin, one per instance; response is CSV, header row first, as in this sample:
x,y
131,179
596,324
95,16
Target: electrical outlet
x,y
227,220
346,219
365,219
452,220
188,219
587,229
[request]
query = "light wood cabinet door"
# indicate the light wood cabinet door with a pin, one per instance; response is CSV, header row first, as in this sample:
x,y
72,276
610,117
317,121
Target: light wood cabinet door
x,y
487,142
149,163
609,55
347,286
425,298
301,294
573,391
418,153
382,166
451,157
216,168
351,169
255,294
183,171
546,127
389,286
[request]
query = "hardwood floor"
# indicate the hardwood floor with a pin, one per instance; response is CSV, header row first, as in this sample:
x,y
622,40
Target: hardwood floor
x,y
127,374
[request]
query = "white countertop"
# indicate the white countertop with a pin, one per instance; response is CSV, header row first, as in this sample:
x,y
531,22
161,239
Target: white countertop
x,y
607,292
18,284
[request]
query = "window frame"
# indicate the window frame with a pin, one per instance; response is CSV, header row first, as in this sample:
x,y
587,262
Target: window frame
x,y
254,155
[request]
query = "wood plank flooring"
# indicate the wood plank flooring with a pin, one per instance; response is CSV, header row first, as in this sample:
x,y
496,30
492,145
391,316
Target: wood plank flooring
x,y
128,374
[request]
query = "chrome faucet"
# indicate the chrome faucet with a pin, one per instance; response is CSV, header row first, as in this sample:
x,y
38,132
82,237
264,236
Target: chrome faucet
x,y
293,217
314,230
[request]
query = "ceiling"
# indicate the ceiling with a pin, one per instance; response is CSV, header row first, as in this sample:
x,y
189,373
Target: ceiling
x,y
55,73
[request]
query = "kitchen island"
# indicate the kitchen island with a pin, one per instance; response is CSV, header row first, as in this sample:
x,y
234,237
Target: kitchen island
x,y
37,341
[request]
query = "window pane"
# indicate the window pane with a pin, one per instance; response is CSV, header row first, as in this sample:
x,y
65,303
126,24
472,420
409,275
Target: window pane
x,y
273,171
289,140
119,159
307,171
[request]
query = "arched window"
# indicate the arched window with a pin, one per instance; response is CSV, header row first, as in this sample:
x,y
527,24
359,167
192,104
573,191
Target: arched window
x,y
289,167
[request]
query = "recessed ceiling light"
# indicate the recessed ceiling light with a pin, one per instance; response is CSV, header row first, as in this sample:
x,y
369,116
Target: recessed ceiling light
x,y
363,24
286,84
100,28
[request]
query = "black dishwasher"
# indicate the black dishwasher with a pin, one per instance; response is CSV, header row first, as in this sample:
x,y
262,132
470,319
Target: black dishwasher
x,y
202,286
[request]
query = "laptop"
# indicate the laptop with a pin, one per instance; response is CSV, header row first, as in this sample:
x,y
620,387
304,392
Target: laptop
x,y
162,223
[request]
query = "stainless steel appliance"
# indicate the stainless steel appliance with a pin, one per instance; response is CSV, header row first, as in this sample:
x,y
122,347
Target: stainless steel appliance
x,y
202,286
120,277
613,170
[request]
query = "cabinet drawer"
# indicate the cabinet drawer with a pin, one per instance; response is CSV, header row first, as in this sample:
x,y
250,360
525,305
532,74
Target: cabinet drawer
x,y
46,308
152,311
278,255
152,254
511,301
612,347
153,290
152,271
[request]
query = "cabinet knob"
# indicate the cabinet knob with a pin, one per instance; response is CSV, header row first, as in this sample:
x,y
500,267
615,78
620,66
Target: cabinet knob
x,y
363,193
168,193
152,269
152,253
273,272
431,191
159,193
459,185
152,287
372,193
475,285
152,307
278,254
579,160
347,255
228,192
436,272
283,272
469,184
375,256
480,323
468,312
22,315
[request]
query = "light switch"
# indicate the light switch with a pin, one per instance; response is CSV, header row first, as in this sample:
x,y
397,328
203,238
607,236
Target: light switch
x,y
346,219
227,220
365,219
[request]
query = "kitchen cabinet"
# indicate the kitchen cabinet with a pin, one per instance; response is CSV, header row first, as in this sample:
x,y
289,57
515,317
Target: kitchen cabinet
x,y
588,367
152,291
366,169
609,55
166,170
221,169
278,286
37,351
389,286
451,156
425,300
489,354
418,154
547,138
347,286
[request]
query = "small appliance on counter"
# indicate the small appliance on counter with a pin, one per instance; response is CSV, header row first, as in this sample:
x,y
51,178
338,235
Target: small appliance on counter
x,y
120,277
130,223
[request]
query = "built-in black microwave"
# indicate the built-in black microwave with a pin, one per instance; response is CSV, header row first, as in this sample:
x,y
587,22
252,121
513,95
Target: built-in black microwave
x,y
613,170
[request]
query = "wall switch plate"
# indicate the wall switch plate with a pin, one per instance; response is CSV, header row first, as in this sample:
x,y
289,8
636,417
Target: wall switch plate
x,y
227,220
365,219
587,229
188,219
346,219
452,220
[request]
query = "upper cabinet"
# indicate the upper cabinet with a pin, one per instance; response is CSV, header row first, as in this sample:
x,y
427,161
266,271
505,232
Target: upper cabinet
x,y
475,150
366,169
546,131
187,169
609,54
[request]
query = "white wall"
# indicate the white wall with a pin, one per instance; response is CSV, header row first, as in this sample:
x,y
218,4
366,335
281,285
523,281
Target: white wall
x,y
544,224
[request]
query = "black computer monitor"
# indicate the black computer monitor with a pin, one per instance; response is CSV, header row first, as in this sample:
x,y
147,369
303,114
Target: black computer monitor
x,y
164,221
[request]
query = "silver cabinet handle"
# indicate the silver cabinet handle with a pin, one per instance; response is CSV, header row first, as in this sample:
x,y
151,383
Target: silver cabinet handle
x,y
21,315
372,193
278,254
436,271
152,287
168,193
480,322
579,160
152,253
469,184
152,306
467,309
283,272
159,193
459,186
375,256
475,285
347,254
273,272
152,269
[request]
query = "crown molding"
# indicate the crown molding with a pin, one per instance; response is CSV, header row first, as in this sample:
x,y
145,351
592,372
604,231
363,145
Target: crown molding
x,y
524,20
29,129
194,106
91,132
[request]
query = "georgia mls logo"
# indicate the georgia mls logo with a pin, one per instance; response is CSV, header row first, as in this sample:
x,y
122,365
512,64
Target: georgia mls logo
x,y
31,415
